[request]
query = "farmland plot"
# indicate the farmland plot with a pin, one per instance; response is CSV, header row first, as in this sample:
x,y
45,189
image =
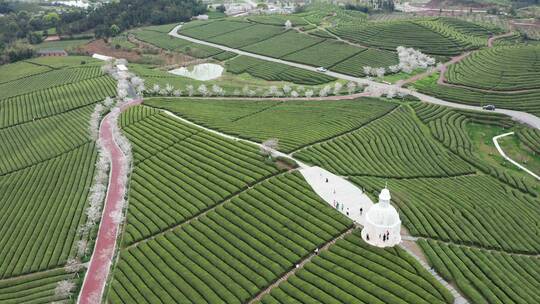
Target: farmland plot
x,y
234,251
246,36
56,63
47,80
392,146
486,276
370,57
42,208
294,123
21,69
473,210
278,20
272,71
181,171
54,100
164,41
36,288
30,143
214,29
351,271
283,44
325,54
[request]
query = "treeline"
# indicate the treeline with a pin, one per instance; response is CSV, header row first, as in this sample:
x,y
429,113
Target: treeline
x,y
20,28
108,19
371,6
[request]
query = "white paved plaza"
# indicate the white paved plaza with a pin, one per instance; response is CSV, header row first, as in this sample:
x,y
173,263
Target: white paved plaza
x,y
338,190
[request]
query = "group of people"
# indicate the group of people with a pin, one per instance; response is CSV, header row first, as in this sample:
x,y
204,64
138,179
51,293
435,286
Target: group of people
x,y
385,236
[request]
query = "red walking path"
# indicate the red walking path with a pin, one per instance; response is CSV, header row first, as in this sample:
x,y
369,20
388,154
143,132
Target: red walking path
x,y
98,270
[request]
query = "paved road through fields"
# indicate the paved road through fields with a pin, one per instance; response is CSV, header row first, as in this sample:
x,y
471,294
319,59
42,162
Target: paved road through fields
x,y
523,117
99,268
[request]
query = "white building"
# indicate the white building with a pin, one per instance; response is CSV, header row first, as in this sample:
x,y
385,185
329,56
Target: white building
x,y
382,224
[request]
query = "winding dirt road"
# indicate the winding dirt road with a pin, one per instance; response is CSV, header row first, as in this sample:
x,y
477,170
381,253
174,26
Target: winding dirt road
x,y
523,117
493,38
98,270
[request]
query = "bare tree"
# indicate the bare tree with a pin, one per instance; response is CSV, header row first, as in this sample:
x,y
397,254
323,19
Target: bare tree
x,y
190,90
63,289
288,24
351,87
337,88
73,265
202,90
268,146
82,247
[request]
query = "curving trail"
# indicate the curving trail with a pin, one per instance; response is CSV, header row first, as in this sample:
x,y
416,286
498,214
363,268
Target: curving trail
x,y
103,253
496,142
523,117
493,38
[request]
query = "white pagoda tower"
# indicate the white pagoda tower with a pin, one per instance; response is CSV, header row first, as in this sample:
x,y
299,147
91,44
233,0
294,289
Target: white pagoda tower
x,y
382,224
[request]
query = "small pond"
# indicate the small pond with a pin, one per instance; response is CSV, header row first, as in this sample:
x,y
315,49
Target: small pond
x,y
203,72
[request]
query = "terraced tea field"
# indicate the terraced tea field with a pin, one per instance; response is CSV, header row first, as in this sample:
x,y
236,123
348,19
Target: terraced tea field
x,y
392,146
40,226
519,100
444,209
386,276
239,239
38,288
272,71
209,168
47,165
531,137
503,76
240,247
294,123
498,69
484,276
283,44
